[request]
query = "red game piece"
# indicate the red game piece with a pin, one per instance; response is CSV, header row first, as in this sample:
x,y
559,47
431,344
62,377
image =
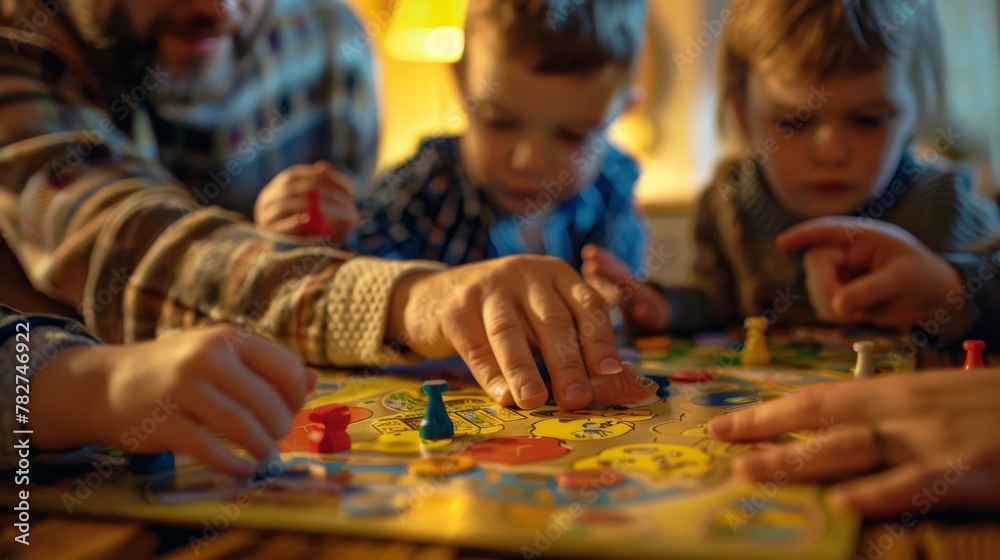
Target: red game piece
x,y
332,436
313,221
691,376
974,353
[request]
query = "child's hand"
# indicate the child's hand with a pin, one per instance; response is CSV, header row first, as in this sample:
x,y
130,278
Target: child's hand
x,y
895,436
645,308
163,395
875,272
282,204
824,279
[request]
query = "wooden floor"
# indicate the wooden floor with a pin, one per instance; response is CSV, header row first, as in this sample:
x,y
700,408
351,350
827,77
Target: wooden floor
x,y
950,537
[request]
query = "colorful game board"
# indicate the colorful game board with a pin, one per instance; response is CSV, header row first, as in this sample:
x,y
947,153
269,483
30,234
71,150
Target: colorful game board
x,y
638,481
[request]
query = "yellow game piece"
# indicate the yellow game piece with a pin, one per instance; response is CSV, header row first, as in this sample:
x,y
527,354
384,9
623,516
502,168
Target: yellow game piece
x,y
441,466
654,342
755,350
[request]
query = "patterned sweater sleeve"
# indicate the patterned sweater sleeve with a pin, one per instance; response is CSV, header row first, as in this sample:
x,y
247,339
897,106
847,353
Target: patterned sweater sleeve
x,y
26,343
100,227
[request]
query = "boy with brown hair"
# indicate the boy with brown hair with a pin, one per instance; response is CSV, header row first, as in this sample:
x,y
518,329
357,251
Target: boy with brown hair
x,y
533,173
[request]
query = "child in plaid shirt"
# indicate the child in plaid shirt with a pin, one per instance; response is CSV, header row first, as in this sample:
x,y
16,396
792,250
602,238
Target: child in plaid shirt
x,y
534,172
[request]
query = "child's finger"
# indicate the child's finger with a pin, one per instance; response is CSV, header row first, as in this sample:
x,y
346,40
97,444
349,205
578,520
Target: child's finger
x,y
217,411
183,435
288,225
866,292
648,308
608,263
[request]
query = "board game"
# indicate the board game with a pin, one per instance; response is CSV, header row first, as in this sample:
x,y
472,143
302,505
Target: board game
x,y
640,481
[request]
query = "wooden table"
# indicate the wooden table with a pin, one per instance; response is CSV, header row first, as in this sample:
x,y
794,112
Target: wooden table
x,y
943,537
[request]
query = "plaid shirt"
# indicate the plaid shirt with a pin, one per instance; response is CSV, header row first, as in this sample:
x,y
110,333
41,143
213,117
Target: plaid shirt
x,y
427,208
96,184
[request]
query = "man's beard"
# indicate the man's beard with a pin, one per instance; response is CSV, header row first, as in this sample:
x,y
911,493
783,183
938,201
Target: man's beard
x,y
203,80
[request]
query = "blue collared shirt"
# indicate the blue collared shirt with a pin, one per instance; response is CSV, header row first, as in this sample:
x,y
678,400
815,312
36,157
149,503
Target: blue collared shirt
x,y
427,208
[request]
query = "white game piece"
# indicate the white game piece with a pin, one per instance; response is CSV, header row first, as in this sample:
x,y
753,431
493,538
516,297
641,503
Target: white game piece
x,y
864,368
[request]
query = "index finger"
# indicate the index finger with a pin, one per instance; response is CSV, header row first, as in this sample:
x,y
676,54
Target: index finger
x,y
593,325
820,408
829,230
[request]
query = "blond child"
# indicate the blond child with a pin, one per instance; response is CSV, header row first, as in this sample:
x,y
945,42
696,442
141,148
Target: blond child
x,y
826,101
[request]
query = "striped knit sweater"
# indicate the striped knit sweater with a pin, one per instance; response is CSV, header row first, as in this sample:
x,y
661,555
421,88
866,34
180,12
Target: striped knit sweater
x,y
739,272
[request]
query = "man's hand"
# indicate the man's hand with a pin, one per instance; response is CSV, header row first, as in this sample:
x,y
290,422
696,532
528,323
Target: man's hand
x,y
493,313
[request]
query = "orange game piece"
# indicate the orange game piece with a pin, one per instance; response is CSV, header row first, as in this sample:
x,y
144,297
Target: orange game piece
x,y
599,478
974,353
654,342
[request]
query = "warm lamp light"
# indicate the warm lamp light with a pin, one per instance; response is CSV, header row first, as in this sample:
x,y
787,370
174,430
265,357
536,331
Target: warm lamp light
x,y
427,31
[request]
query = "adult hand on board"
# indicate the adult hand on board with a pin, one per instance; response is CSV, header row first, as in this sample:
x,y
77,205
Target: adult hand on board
x,y
493,314
162,395
905,443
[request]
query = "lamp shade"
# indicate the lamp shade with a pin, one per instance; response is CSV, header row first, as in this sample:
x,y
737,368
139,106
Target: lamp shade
x,y
427,31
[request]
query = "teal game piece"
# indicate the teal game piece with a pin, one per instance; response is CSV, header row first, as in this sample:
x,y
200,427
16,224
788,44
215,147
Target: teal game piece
x,y
436,423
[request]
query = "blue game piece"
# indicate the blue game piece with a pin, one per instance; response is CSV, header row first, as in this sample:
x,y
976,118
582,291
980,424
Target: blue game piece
x,y
728,400
151,464
436,424
663,384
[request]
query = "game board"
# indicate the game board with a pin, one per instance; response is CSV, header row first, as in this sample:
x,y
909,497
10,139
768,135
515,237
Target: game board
x,y
639,481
